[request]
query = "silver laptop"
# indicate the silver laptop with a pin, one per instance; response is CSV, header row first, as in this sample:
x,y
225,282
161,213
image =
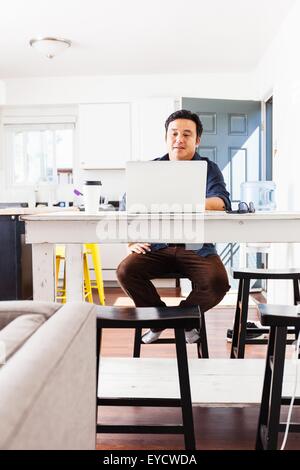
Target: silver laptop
x,y
166,186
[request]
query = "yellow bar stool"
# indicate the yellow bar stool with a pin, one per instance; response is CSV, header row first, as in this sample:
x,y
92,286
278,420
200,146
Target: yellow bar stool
x,y
60,257
86,276
92,250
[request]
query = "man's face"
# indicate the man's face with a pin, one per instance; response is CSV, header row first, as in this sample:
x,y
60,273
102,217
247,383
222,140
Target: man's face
x,y
182,139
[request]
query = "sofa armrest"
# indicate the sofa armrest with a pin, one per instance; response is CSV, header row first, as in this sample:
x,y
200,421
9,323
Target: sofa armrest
x,y
48,387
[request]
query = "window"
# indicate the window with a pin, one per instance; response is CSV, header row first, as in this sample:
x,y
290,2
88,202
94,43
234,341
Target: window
x,y
38,153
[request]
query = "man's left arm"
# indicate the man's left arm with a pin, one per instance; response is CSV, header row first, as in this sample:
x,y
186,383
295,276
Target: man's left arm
x,y
217,196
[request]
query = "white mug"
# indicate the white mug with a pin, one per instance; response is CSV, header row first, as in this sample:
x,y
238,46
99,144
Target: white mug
x,y
91,196
31,199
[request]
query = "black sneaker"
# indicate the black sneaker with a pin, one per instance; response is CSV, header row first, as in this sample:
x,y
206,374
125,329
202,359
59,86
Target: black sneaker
x,y
249,334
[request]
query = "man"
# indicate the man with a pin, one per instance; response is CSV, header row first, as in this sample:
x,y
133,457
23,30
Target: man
x,y
202,266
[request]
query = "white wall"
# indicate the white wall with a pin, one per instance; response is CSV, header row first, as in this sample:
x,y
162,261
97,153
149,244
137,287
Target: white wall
x,y
73,90
2,92
279,72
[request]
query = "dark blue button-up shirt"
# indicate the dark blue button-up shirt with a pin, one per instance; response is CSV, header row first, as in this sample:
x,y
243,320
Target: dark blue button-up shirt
x,y
215,187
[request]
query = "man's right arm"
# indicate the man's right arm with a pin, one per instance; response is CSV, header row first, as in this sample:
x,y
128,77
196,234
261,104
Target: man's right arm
x,y
139,248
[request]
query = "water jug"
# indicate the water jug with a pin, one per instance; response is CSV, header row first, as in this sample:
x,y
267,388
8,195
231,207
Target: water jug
x,y
261,193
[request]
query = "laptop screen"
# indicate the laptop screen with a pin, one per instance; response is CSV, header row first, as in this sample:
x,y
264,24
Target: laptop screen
x,y
166,186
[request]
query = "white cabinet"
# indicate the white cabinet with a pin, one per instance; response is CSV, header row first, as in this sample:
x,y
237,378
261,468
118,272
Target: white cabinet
x,y
110,134
111,256
149,118
104,135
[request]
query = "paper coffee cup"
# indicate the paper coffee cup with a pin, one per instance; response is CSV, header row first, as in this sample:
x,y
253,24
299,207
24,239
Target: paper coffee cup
x,y
91,196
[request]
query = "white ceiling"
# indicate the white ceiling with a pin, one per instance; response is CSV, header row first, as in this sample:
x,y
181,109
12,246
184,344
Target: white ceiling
x,y
138,36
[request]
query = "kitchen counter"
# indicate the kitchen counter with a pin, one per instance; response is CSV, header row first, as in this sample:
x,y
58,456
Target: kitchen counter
x,y
36,210
16,264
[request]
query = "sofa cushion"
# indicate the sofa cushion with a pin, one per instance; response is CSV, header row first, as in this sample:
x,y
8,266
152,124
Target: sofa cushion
x,y
11,309
14,335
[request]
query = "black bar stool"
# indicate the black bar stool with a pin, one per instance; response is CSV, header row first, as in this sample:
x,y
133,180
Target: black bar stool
x,y
278,318
245,275
202,345
167,317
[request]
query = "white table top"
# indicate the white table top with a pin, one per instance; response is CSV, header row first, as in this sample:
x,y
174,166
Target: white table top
x,y
123,215
120,227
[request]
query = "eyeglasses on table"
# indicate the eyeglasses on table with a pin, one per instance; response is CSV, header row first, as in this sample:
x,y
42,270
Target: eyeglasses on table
x,y
243,208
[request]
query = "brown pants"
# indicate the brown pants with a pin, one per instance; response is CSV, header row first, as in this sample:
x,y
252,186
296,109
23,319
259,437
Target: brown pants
x,y
208,275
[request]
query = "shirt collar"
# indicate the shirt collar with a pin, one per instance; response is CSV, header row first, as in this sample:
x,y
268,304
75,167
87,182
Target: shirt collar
x,y
195,157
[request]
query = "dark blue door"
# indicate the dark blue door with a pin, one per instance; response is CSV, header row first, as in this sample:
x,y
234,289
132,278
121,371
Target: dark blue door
x,y
231,138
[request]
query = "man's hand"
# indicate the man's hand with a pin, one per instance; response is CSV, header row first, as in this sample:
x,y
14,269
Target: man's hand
x,y
140,248
214,204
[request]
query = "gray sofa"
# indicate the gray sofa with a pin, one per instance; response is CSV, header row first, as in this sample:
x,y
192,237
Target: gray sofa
x,y
47,376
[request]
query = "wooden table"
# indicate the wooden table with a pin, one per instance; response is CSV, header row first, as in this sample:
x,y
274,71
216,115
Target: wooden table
x,y
43,231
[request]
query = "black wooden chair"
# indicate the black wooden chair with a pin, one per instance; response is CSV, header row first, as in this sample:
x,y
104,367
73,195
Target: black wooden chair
x,y
278,318
201,344
245,275
166,317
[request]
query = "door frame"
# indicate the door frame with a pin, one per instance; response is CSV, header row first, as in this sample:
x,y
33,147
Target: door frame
x,y
265,138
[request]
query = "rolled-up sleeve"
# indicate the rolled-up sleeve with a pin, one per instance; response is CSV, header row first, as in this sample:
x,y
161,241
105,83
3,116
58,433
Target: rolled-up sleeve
x,y
216,186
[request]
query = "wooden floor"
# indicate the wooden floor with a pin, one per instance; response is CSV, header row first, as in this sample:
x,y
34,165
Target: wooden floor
x,y
215,428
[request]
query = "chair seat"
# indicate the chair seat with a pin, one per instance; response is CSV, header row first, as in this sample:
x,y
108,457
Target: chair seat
x,y
279,315
251,273
149,317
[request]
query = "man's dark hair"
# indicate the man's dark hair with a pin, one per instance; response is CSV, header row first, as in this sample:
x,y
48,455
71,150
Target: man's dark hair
x,y
185,114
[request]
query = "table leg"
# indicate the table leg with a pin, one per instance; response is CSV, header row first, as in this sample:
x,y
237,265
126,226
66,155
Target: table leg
x,y
43,271
74,273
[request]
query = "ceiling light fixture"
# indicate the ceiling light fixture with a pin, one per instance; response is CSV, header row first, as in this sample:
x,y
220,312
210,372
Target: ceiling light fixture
x,y
50,46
